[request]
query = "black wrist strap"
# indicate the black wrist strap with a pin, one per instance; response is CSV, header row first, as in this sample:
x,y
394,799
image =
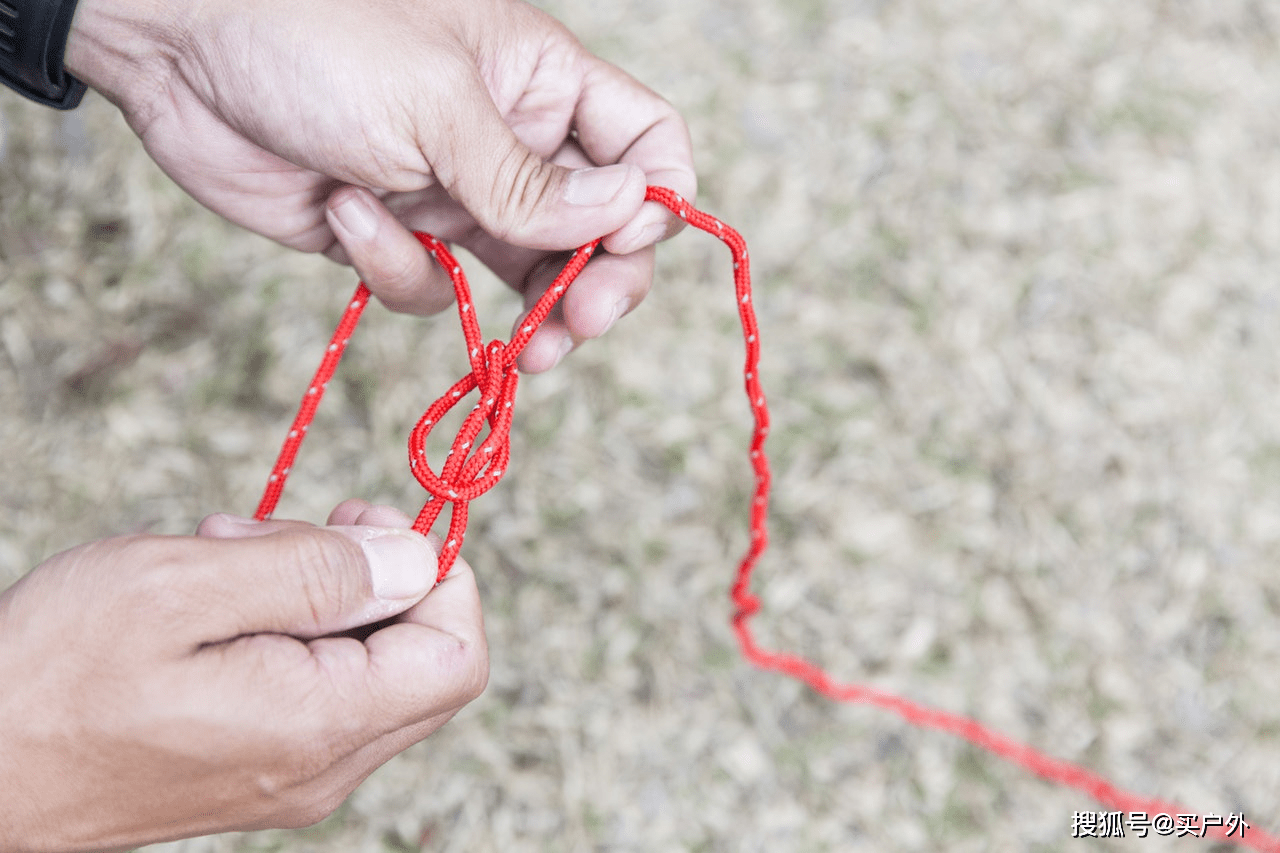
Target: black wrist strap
x,y
33,39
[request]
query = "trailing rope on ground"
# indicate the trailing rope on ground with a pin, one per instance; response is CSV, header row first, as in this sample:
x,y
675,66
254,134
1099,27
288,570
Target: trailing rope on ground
x,y
474,465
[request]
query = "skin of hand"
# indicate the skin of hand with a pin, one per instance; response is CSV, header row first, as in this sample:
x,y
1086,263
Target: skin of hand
x,y
338,127
246,677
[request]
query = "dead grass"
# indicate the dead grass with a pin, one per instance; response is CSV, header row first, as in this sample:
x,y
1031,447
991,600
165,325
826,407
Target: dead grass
x,y
1016,265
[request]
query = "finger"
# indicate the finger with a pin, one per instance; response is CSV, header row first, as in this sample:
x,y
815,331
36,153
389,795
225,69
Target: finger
x,y
548,346
302,581
517,265
513,193
430,662
225,525
619,120
384,516
607,289
348,511
356,511
353,511
359,512
386,255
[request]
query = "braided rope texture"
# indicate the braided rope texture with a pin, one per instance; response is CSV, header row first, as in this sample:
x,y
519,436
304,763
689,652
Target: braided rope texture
x,y
474,465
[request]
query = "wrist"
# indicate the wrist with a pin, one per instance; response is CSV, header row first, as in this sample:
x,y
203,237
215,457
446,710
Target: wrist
x,y
124,49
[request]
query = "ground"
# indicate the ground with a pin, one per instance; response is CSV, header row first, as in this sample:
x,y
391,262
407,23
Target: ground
x,y
1017,278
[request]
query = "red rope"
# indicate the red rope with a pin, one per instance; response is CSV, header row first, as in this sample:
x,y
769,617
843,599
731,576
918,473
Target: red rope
x,y
493,373
474,465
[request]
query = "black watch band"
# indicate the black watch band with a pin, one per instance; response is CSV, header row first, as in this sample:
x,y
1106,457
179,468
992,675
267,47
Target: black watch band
x,y
33,39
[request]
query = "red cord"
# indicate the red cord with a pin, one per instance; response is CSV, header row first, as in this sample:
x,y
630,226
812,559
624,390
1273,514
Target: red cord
x,y
493,374
475,465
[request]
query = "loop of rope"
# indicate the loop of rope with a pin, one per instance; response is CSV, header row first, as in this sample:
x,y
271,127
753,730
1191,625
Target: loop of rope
x,y
493,373
465,477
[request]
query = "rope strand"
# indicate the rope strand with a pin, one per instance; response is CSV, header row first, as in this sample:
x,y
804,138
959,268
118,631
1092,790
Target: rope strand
x,y
465,477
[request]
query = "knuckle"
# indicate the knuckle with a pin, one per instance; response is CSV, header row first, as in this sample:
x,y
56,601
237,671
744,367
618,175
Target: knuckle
x,y
151,569
296,763
149,560
304,789
322,582
458,674
469,666
521,183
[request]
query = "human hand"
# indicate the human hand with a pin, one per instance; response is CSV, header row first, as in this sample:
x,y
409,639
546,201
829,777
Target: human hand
x,y
247,677
337,127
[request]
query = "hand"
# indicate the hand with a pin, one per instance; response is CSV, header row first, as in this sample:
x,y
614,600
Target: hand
x,y
336,127
248,677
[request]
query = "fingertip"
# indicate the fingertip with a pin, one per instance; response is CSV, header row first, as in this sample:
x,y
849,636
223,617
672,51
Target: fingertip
x,y
563,347
226,525
401,563
354,215
588,203
547,348
621,307
653,224
386,255
347,512
381,515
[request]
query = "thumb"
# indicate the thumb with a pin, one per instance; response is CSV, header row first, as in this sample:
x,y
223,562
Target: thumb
x,y
517,195
312,581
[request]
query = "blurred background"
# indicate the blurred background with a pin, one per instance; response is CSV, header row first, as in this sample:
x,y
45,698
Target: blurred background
x,y
1016,264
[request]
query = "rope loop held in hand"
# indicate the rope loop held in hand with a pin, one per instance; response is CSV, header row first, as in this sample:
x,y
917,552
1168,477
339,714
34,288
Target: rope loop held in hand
x,y
473,465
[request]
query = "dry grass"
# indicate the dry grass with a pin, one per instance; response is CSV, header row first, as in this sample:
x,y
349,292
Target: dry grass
x,y
1017,272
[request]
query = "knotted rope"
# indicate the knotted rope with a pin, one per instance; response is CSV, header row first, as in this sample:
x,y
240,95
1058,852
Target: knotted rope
x,y
493,373
465,477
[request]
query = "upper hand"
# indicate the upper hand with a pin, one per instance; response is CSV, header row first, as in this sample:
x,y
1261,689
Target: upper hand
x,y
249,677
337,127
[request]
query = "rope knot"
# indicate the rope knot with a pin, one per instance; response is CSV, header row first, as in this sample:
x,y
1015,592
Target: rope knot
x,y
473,465
489,365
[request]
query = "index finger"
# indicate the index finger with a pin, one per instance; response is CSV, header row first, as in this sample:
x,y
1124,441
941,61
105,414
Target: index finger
x,y
620,120
432,660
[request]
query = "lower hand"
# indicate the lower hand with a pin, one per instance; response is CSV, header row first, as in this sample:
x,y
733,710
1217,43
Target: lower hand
x,y
247,677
